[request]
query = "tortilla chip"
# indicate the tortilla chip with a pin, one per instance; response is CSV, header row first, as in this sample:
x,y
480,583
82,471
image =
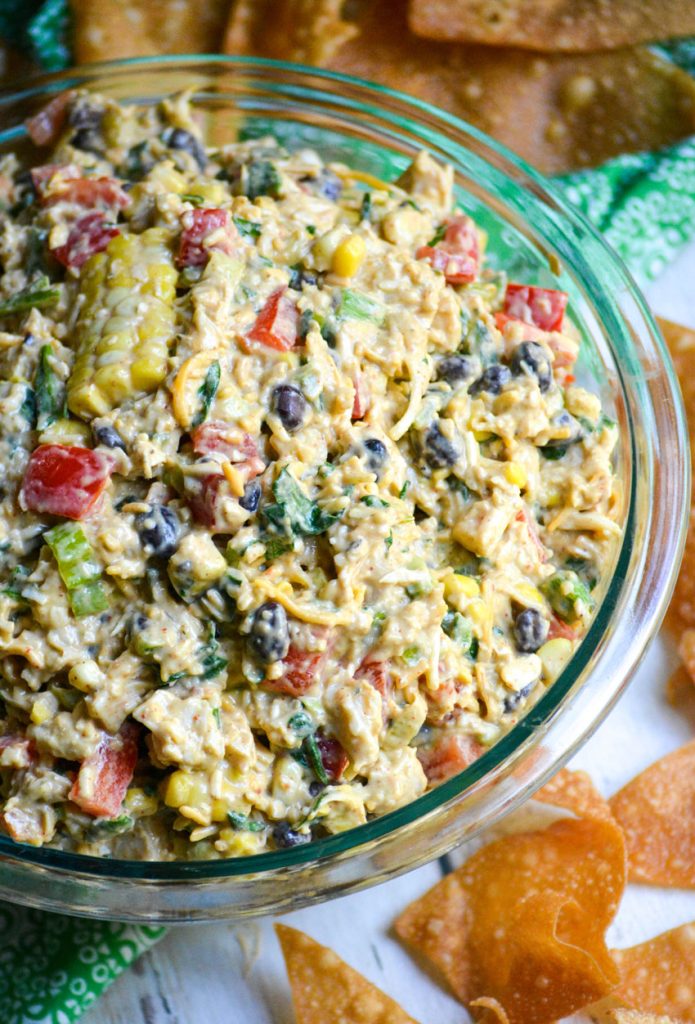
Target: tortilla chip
x,y
575,792
659,976
681,613
657,814
558,112
108,29
326,990
552,25
616,1015
522,922
306,31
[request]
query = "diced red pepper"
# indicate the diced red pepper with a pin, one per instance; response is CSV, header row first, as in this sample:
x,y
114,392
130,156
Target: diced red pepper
x,y
333,757
227,440
196,242
563,348
362,398
449,756
542,307
88,235
558,628
65,480
44,128
457,256
104,777
86,192
276,324
300,669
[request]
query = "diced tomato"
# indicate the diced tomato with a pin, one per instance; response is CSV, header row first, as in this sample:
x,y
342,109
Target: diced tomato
x,y
88,235
449,756
206,503
203,231
558,628
45,127
104,777
276,324
522,516
227,440
300,669
362,398
378,674
543,307
89,193
563,348
457,256
65,480
333,757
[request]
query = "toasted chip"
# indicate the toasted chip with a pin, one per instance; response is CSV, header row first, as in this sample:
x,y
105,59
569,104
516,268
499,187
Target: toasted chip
x,y
326,990
558,112
616,1015
307,31
659,976
552,25
107,29
681,614
657,814
522,922
575,792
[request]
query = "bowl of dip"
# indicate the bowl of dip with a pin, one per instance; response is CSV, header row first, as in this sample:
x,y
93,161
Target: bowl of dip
x,y
337,511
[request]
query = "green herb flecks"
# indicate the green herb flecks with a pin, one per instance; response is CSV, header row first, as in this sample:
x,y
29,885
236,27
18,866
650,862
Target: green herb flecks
x,y
242,822
247,228
295,513
207,392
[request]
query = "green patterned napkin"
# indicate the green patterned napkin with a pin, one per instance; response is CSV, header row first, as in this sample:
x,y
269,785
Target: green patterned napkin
x,y
52,968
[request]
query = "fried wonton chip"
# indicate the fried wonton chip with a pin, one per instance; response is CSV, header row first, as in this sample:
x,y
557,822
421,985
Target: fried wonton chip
x,y
552,25
620,1016
107,29
575,791
326,990
657,814
681,614
521,924
558,112
306,31
659,976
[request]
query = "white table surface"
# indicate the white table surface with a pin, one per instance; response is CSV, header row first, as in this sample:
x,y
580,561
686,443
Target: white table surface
x,y
221,974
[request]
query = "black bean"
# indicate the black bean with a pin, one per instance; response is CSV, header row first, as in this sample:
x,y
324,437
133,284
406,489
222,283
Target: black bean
x,y
299,277
438,449
569,430
84,115
315,788
252,496
456,368
286,837
88,140
530,630
376,454
109,437
491,380
326,184
531,359
290,405
179,138
269,638
159,530
514,699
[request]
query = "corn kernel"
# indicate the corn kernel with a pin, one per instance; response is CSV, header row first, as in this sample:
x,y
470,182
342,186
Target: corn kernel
x,y
456,585
482,435
184,789
139,804
480,613
43,709
349,256
515,474
219,810
85,675
527,594
554,655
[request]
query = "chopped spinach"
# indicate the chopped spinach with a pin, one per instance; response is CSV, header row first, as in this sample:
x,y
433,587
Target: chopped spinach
x,y
262,179
207,392
293,512
248,228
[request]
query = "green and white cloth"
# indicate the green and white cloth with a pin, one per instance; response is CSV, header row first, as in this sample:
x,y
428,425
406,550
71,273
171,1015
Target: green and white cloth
x,y
52,967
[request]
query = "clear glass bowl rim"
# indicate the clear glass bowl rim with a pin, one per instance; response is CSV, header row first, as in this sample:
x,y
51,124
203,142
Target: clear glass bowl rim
x,y
552,701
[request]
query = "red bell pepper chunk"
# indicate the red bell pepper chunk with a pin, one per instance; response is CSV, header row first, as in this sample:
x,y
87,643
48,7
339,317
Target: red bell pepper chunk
x,y
300,669
449,756
558,628
88,235
542,307
276,324
216,436
333,756
44,128
104,776
457,256
362,398
198,226
65,480
86,192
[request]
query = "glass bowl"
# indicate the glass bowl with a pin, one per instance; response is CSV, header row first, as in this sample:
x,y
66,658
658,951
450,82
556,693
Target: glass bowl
x,y
538,239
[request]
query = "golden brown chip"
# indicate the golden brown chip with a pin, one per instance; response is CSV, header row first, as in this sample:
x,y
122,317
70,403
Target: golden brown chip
x,y
575,791
616,1015
522,922
559,112
306,31
681,614
656,811
108,29
552,25
659,976
326,990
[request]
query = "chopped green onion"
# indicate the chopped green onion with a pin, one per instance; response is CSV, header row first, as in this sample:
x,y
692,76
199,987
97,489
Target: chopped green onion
x,y
242,822
411,655
207,392
49,391
248,228
36,296
404,490
356,306
193,198
372,501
